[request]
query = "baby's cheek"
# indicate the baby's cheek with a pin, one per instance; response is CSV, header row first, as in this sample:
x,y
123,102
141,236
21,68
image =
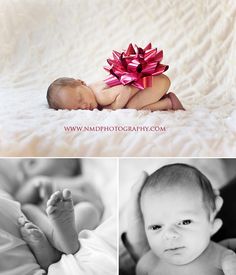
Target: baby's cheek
x,y
155,242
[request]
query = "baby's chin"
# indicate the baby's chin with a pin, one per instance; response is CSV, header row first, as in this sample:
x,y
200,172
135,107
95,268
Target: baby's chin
x,y
179,257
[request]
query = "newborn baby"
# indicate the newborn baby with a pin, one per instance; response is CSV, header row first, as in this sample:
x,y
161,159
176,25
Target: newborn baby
x,y
179,207
72,94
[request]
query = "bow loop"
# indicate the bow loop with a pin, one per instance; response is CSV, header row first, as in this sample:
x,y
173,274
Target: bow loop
x,y
135,66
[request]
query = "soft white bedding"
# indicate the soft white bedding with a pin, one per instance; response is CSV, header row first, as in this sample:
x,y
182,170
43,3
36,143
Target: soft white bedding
x,y
43,40
97,255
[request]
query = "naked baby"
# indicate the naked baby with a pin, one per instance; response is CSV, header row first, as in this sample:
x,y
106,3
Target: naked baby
x,y
136,81
73,94
179,207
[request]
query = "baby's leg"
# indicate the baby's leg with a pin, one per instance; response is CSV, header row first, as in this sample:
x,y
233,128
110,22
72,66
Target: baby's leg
x,y
44,253
168,102
87,216
150,95
160,105
60,211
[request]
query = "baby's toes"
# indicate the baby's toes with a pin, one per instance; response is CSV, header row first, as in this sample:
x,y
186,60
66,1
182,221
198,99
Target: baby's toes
x,y
55,198
22,220
67,200
30,232
30,226
66,193
50,209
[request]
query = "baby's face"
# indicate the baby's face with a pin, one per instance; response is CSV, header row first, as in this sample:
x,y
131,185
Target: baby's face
x,y
46,167
176,222
78,97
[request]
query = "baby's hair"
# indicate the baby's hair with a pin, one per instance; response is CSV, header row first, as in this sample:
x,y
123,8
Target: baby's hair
x,y
55,86
177,174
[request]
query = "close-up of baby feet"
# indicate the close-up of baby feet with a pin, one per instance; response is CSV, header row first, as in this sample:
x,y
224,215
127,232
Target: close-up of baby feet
x,y
60,211
37,241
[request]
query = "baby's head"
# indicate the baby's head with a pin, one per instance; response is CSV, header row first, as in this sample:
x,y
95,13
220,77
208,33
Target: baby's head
x,y
61,167
178,206
70,94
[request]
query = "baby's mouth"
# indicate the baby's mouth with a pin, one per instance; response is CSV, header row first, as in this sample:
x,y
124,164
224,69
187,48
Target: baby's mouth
x,y
174,249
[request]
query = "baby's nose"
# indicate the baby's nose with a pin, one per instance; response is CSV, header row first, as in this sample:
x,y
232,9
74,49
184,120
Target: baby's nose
x,y
171,233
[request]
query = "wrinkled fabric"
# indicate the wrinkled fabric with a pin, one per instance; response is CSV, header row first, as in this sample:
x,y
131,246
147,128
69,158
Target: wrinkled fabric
x,y
15,256
97,254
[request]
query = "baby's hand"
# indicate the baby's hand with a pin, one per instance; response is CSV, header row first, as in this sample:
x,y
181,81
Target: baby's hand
x,y
44,186
229,263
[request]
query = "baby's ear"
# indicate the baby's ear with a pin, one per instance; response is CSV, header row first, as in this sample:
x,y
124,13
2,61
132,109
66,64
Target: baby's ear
x,y
216,223
218,203
81,82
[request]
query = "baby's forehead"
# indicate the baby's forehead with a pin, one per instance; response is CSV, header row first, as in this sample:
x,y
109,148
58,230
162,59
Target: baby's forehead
x,y
177,201
162,187
65,92
183,192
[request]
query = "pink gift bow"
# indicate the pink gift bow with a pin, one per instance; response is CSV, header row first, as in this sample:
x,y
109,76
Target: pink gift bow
x,y
135,68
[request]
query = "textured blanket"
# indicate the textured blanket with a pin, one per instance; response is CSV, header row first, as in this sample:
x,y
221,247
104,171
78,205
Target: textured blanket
x,y
43,40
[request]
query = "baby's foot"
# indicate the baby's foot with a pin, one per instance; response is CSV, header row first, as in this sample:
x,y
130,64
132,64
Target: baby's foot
x,y
38,243
60,211
176,104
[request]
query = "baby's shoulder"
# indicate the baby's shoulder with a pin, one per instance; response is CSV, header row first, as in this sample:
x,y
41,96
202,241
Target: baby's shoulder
x,y
98,86
222,256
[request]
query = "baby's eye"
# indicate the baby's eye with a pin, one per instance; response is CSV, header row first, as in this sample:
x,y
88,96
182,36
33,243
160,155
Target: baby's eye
x,y
155,227
185,222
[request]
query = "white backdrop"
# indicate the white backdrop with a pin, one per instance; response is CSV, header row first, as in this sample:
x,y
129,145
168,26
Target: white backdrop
x,y
43,40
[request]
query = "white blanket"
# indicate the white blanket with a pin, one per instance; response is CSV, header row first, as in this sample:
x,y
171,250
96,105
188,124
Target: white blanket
x,y
43,40
97,254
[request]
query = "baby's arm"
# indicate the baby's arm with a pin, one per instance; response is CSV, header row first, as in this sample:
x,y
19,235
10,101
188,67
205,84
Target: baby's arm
x,y
149,97
113,97
121,95
229,263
